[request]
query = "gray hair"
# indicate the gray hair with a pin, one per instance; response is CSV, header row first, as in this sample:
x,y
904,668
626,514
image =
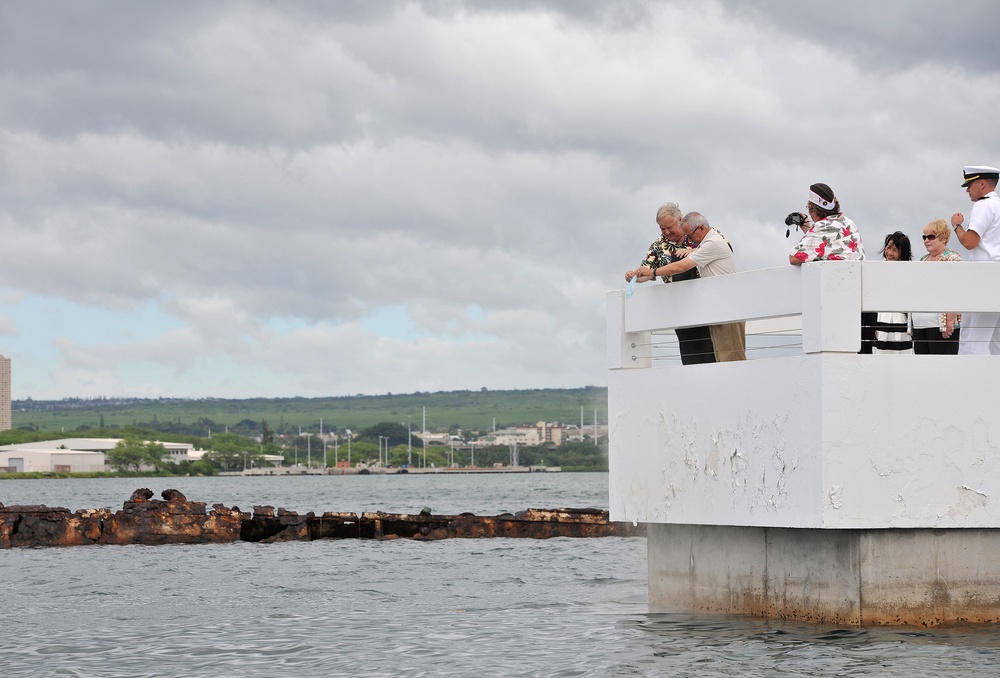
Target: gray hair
x,y
669,209
695,220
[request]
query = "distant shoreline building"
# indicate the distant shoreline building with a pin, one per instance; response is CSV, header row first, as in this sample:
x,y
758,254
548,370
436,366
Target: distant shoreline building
x,y
5,420
542,433
84,455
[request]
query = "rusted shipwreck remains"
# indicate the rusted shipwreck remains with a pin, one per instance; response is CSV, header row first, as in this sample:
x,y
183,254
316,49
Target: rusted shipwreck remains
x,y
175,520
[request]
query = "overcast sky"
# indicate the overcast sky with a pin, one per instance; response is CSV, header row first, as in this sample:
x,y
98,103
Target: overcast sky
x,y
240,199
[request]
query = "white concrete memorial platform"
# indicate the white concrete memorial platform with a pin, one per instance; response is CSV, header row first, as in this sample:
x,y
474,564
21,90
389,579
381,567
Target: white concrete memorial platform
x,y
812,483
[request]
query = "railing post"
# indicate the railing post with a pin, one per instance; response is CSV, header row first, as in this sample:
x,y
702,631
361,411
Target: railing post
x,y
831,307
626,350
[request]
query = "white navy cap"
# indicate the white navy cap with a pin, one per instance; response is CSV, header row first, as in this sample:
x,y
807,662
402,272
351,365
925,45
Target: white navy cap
x,y
974,172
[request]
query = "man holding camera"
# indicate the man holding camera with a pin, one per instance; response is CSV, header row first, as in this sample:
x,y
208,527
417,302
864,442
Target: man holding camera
x,y
980,331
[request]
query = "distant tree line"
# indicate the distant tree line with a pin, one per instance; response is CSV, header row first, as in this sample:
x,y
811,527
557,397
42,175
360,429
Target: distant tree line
x,y
477,409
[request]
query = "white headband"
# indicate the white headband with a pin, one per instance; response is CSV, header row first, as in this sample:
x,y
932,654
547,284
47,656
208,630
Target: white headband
x,y
815,199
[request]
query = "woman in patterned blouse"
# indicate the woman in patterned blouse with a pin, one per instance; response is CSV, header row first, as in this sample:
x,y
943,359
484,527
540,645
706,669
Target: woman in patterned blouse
x,y
937,332
832,236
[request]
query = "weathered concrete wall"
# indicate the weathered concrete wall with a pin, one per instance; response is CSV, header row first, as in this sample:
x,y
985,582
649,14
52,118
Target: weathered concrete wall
x,y
826,440
715,569
727,459
851,577
813,575
930,577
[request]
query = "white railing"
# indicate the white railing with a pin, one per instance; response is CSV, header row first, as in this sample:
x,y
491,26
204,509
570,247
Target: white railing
x,y
824,299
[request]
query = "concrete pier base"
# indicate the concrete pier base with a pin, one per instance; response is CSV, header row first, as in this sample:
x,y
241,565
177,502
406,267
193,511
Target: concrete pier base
x,y
821,485
919,577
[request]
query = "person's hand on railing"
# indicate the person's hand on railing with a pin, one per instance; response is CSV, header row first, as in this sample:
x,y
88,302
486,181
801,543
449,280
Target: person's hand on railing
x,y
949,325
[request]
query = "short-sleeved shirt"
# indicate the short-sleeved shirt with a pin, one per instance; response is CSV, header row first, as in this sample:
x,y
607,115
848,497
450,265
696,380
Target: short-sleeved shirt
x,y
946,255
830,239
663,252
714,256
985,220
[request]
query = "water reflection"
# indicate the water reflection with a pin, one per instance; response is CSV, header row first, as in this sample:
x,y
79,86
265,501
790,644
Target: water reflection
x,y
679,644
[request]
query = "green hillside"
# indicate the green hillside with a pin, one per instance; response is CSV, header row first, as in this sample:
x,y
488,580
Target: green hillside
x,y
469,410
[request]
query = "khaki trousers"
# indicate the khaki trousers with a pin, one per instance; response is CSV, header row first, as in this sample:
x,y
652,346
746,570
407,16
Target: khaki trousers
x,y
730,342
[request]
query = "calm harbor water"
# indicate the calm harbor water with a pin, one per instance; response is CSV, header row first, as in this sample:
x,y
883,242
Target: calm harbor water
x,y
499,607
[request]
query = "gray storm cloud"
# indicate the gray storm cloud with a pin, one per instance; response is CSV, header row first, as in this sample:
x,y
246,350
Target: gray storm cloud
x,y
274,177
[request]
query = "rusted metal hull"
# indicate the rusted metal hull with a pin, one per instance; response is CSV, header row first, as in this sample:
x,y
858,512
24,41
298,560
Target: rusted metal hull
x,y
530,524
266,525
175,520
50,526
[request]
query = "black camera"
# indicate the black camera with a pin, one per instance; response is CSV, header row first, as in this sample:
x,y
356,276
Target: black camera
x,y
793,219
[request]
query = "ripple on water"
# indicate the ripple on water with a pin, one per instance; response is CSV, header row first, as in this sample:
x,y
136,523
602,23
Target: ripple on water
x,y
501,607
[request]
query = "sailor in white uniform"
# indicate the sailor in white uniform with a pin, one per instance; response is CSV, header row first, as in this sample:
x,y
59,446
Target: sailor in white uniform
x,y
981,236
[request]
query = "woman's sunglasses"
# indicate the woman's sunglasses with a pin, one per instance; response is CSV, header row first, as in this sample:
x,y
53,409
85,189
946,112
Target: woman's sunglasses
x,y
930,237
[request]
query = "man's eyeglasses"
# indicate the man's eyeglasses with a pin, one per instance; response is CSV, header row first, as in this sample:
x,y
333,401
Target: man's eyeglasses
x,y
929,237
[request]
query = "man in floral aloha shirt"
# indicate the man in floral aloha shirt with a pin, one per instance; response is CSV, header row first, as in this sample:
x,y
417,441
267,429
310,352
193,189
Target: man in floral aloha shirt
x,y
695,343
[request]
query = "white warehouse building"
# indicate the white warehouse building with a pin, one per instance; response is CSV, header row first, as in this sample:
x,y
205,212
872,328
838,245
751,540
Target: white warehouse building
x,y
76,455
51,461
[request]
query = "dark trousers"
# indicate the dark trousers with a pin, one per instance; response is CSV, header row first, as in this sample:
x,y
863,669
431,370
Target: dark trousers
x,y
928,341
695,345
868,320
